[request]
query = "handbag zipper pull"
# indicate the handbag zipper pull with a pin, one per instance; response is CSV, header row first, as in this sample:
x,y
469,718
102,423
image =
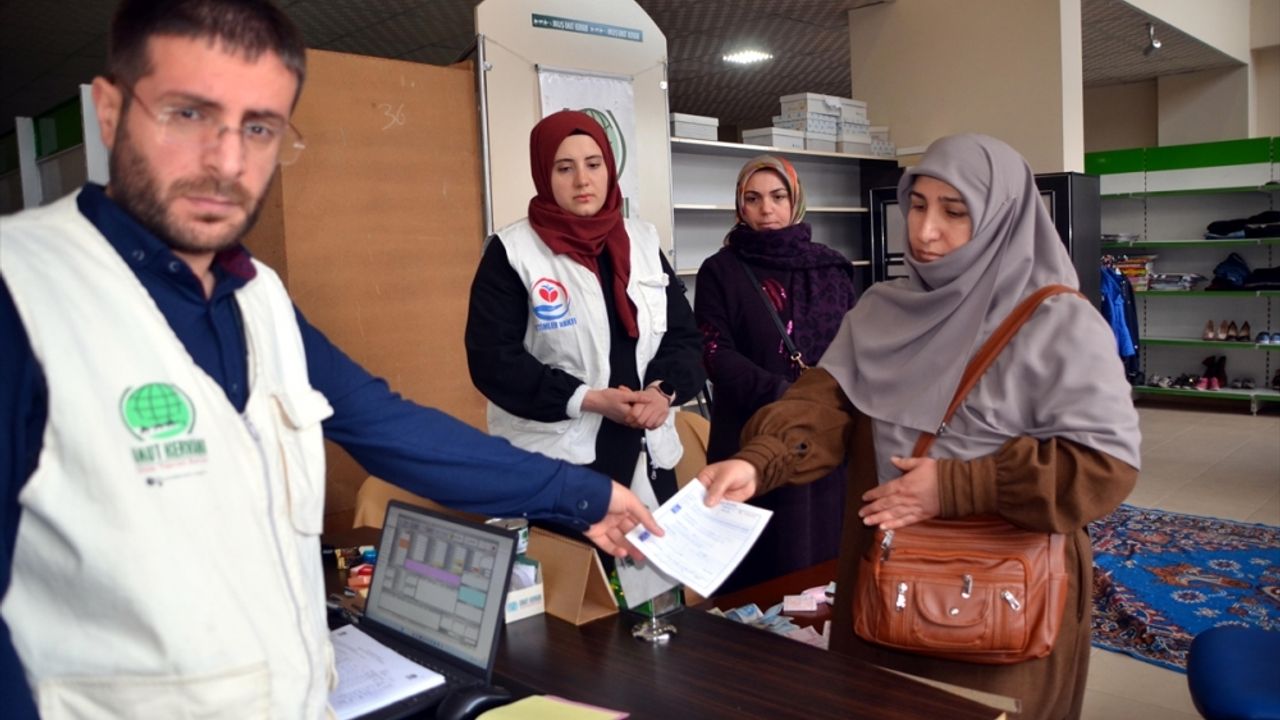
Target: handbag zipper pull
x,y
1013,601
885,545
967,588
901,602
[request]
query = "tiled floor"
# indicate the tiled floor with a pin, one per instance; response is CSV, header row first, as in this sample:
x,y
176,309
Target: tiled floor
x,y
1222,464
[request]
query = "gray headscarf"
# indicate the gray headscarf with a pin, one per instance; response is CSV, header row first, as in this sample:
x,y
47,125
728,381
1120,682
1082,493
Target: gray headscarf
x,y
900,352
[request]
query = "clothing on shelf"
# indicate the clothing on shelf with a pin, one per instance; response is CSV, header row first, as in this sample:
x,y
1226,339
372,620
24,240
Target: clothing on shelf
x,y
1119,307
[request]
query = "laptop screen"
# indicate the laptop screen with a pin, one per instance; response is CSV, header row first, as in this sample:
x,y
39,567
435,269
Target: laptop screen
x,y
442,581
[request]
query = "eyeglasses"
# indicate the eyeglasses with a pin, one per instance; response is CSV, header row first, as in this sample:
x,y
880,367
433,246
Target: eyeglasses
x,y
194,125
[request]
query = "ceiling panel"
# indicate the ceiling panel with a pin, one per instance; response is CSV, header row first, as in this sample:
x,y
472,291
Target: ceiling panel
x,y
808,38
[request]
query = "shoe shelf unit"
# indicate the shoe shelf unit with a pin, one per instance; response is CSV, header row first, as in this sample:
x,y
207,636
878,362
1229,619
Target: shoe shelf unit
x,y
1165,197
836,188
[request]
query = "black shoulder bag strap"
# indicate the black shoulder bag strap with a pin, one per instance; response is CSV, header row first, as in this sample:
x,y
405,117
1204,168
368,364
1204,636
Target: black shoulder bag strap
x,y
794,352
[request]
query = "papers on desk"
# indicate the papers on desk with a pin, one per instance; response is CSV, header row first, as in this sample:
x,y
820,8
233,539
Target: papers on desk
x,y
702,545
550,707
372,675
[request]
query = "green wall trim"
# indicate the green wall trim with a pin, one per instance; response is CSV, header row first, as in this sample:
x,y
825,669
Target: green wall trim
x,y
1182,157
59,128
1215,154
1109,162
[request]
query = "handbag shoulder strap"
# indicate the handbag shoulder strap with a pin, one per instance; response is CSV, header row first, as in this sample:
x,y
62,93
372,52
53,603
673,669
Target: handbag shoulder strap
x,y
795,355
987,354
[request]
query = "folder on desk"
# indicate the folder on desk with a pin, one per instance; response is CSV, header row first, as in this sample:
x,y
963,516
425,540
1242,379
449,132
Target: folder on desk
x,y
575,584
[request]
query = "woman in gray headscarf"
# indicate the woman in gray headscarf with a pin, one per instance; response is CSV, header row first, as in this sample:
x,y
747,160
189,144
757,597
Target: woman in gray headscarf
x,y
1047,440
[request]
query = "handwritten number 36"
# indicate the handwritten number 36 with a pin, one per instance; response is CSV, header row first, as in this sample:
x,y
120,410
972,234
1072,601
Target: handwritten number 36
x,y
396,115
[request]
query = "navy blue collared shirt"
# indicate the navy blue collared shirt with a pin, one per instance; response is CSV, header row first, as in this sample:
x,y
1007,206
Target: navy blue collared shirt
x,y
420,449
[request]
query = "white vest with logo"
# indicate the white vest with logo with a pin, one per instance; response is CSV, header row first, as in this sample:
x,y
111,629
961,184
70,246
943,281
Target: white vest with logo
x,y
568,328
168,559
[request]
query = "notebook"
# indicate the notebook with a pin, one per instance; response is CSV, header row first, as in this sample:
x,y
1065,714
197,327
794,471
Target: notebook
x,y
436,597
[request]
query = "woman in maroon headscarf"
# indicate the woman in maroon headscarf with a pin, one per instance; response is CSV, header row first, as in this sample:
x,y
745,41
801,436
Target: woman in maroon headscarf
x,y
579,333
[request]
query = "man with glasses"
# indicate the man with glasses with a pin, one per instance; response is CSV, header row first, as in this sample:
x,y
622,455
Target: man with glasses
x,y
162,405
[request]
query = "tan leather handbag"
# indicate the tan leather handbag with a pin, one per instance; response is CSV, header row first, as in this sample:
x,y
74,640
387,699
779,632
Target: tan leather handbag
x,y
976,589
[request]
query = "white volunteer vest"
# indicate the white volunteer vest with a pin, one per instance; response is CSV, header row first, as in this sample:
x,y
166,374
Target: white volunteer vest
x,y
568,328
167,562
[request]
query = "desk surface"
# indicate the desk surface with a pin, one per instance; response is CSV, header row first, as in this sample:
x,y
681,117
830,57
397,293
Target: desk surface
x,y
712,668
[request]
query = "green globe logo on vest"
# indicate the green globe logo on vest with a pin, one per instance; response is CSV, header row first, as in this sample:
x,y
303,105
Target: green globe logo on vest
x,y
157,414
616,141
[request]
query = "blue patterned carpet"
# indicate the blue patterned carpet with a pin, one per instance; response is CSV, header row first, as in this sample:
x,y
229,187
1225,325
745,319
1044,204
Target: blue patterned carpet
x,y
1160,578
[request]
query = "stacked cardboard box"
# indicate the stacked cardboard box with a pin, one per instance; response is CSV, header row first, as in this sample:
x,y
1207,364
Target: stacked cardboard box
x,y
824,122
694,127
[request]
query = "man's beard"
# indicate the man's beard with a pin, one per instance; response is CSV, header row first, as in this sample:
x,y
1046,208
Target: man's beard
x,y
134,187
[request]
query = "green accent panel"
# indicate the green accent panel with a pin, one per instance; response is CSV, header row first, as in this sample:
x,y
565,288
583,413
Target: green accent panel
x,y
8,152
1110,162
59,128
1214,154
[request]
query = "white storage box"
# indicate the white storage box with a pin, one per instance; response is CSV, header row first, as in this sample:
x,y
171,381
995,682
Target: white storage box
x,y
881,145
853,148
853,111
825,124
774,137
800,103
695,127
855,132
819,142
526,601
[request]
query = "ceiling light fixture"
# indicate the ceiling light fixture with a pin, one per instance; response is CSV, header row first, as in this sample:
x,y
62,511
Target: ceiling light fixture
x,y
1153,43
747,57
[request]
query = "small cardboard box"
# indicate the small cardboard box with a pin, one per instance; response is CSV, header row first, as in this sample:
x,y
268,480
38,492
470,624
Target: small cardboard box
x,y
855,132
575,586
825,124
526,601
853,111
819,142
809,103
774,137
695,127
853,148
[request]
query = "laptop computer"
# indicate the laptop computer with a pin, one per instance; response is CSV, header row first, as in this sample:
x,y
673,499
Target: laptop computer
x,y
437,597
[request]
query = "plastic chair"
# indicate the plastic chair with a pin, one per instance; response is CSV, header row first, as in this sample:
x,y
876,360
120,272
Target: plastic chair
x,y
1234,673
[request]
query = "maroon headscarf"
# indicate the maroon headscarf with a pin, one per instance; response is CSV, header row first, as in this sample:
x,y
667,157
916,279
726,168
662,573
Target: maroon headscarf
x,y
581,238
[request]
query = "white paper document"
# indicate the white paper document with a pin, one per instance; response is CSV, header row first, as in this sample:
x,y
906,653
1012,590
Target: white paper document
x,y
702,545
372,675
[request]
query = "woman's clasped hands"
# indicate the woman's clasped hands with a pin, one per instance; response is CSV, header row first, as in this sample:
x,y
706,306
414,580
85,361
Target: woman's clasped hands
x,y
647,408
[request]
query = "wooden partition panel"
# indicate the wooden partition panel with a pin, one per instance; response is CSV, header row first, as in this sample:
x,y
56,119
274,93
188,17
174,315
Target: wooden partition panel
x,y
377,228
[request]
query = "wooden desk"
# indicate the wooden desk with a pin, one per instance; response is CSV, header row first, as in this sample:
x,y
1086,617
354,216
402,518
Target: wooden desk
x,y
713,668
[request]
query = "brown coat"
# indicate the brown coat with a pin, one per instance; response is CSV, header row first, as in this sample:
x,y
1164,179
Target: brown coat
x,y
1053,486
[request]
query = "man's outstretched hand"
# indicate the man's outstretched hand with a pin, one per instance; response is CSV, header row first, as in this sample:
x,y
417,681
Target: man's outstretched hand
x,y
625,512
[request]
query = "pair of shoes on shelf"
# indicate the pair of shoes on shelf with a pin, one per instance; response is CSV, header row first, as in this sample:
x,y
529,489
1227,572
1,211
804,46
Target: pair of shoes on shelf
x,y
1160,381
1186,382
1243,383
1215,373
1227,331
1265,338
